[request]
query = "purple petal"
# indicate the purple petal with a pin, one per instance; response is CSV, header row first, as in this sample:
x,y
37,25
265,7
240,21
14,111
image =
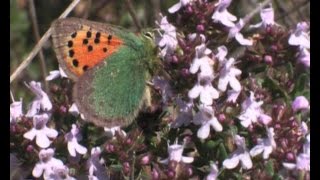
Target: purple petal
x,y
300,103
231,162
30,134
195,91
204,131
42,140
216,125
245,42
37,170
175,8
246,162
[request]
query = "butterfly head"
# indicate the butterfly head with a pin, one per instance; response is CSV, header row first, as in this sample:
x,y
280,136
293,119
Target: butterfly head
x,y
149,38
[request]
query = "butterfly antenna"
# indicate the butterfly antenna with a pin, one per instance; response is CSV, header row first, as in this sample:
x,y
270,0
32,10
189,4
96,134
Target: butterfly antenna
x,y
133,14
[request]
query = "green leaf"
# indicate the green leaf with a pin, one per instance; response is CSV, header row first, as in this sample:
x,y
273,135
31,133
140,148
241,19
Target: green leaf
x,y
290,70
269,168
212,144
277,177
116,167
300,85
275,87
222,152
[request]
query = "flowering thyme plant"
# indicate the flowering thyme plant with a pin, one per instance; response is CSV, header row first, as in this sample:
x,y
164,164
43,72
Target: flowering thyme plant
x,y
232,103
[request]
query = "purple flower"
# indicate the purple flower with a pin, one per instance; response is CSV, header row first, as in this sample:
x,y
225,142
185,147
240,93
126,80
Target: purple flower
x,y
40,131
267,17
15,111
300,37
205,117
74,110
304,128
213,173
47,164
264,119
303,159
228,76
241,154
112,131
234,32
96,169
304,57
233,96
168,41
222,15
164,86
265,145
205,90
185,114
300,103
302,163
250,111
306,145
56,74
41,101
175,154
179,5
222,53
60,173
202,61
73,146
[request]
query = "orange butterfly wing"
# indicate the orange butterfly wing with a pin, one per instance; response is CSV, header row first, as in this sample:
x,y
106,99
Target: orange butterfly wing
x,y
81,44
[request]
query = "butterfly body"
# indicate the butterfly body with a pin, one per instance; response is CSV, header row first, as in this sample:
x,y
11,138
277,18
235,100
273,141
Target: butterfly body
x,y
110,66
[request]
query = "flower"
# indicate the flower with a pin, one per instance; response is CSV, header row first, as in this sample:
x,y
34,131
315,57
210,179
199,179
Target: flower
x,y
74,110
179,5
47,164
164,86
264,119
303,159
299,37
60,173
205,90
56,74
169,41
40,131
234,32
304,128
205,117
185,114
202,61
228,76
15,111
304,57
264,145
175,154
213,173
112,131
300,103
222,15
41,101
306,145
222,53
73,146
302,163
96,170
240,154
267,17
251,111
232,95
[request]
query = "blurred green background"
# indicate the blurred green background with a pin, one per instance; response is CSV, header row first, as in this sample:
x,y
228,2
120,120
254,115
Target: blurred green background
x,y
23,28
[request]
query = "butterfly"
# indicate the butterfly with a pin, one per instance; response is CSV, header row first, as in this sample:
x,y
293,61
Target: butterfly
x,y
110,67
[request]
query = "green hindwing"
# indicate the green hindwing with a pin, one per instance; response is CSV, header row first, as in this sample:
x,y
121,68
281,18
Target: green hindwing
x,y
112,93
